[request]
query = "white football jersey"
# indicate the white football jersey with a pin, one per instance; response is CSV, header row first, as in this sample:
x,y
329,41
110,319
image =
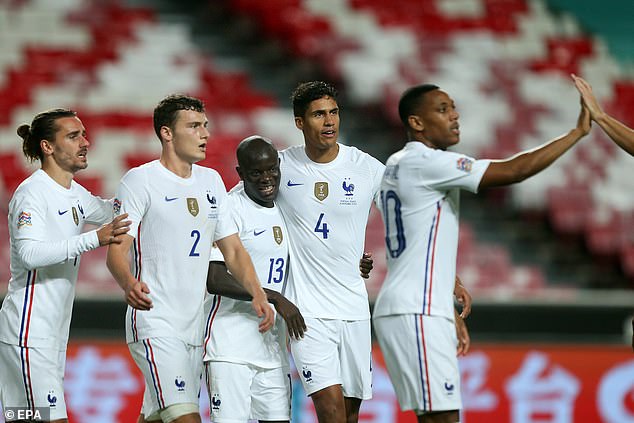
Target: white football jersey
x,y
231,332
326,208
420,201
174,222
45,229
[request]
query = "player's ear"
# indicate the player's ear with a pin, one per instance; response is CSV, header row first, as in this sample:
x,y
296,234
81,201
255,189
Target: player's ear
x,y
415,123
299,123
239,172
47,147
166,133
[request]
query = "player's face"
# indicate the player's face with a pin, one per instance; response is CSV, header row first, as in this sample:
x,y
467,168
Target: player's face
x,y
190,135
70,146
261,176
320,124
440,120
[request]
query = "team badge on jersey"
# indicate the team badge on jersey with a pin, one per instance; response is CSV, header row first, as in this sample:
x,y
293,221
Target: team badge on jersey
x,y
192,206
348,187
321,190
116,207
277,234
212,200
75,216
464,164
24,219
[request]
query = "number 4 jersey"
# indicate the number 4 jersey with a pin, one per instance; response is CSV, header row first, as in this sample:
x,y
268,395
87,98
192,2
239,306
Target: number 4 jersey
x,y
420,201
326,208
174,222
232,333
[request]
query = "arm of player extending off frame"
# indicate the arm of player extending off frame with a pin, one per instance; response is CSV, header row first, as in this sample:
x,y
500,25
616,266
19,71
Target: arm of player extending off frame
x,y
622,135
221,282
240,265
118,263
528,163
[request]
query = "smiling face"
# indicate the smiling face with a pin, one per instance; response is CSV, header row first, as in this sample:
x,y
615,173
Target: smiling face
x,y
189,135
260,172
320,125
436,120
69,148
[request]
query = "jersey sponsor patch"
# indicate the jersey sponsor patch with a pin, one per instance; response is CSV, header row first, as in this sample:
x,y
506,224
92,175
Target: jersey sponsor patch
x,y
192,206
321,190
464,164
24,219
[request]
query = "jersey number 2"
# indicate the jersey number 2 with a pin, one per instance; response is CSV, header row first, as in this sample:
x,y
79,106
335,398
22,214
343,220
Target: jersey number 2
x,y
196,235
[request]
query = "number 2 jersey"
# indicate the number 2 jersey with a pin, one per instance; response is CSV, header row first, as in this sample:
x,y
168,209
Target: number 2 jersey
x,y
46,222
326,208
420,202
232,333
174,222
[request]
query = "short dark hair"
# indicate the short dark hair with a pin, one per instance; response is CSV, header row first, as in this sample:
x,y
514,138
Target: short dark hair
x,y
411,100
253,146
166,111
307,92
43,127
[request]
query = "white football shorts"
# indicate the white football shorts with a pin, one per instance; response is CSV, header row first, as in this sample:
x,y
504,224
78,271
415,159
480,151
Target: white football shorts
x,y
420,354
335,352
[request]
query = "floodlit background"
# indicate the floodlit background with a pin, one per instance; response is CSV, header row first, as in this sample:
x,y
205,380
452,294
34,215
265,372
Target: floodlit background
x,y
550,262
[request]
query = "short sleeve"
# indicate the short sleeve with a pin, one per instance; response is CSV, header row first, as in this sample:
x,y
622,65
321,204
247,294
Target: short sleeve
x,y
444,170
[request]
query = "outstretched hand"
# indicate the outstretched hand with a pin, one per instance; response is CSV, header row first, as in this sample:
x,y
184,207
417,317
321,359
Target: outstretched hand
x,y
109,232
587,96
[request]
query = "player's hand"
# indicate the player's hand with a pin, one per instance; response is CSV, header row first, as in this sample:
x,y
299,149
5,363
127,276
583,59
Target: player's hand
x,y
587,96
109,232
464,341
463,297
366,265
136,296
291,314
261,306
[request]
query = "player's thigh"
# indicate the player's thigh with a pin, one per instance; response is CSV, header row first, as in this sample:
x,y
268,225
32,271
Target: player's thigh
x,y
229,389
420,356
356,359
271,395
33,378
171,370
316,355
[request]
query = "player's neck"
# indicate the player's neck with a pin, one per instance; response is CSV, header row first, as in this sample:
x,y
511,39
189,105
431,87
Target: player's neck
x,y
322,155
59,175
176,166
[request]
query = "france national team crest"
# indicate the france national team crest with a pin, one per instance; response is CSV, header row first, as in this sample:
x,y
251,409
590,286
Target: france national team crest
x,y
24,219
348,187
277,234
192,206
464,164
321,190
75,216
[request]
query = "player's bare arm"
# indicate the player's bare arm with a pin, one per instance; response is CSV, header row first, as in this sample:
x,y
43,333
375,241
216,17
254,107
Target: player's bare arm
x,y
118,263
221,282
241,267
528,163
463,297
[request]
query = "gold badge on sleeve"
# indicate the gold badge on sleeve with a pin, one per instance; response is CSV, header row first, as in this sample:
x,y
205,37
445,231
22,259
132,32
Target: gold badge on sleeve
x,y
277,234
192,206
321,190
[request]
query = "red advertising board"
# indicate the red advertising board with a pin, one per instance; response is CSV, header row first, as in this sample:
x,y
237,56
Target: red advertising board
x,y
500,383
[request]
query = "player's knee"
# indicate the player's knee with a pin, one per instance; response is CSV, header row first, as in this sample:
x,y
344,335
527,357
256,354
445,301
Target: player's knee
x,y
180,413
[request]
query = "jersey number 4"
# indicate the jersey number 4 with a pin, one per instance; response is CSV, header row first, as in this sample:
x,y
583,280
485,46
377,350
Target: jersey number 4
x,y
394,242
322,227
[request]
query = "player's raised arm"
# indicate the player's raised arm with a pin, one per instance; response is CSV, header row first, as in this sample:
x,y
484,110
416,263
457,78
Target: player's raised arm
x,y
118,263
528,163
241,267
622,135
